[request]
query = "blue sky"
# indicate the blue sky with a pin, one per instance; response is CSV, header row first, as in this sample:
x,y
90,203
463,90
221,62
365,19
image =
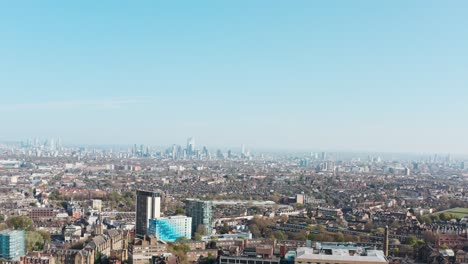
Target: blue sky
x,y
338,75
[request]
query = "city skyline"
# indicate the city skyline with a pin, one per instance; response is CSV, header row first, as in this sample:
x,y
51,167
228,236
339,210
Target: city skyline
x,y
360,76
57,143
54,147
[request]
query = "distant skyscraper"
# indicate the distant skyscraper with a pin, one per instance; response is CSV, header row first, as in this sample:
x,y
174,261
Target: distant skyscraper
x,y
219,154
174,152
190,146
243,150
464,165
148,206
52,144
12,244
205,152
324,155
201,213
407,172
171,228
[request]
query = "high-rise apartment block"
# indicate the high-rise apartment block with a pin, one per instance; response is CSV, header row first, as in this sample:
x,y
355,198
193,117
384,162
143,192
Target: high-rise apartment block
x,y
12,244
148,206
201,213
171,228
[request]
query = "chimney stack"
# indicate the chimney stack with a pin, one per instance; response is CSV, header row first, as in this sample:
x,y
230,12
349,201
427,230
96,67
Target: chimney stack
x,y
385,245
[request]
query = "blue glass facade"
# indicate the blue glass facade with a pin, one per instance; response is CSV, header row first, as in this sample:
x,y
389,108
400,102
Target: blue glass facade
x,y
12,244
171,228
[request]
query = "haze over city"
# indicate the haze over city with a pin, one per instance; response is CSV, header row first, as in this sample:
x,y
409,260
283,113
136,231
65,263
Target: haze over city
x,y
234,132
347,76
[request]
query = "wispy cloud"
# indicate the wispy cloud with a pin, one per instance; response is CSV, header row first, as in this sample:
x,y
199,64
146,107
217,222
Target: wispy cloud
x,y
106,103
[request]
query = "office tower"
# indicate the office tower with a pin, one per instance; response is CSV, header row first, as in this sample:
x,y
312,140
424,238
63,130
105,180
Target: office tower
x,y
464,165
242,150
52,143
206,153
219,154
174,152
201,213
148,206
407,172
190,146
324,155
171,228
12,244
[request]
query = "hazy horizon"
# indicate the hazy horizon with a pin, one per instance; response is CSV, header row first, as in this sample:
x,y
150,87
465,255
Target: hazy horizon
x,y
350,153
357,76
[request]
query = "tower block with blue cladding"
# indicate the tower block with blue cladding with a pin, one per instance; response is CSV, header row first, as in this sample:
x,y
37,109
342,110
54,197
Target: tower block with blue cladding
x,y
12,244
171,228
148,207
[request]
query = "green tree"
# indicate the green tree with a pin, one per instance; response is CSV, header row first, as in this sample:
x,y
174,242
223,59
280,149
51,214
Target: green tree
x,y
181,239
255,230
34,241
430,237
45,235
97,258
339,237
178,251
280,235
300,236
197,237
20,223
444,216
180,211
411,240
201,229
312,237
3,226
426,220
320,228
225,229
210,259
350,238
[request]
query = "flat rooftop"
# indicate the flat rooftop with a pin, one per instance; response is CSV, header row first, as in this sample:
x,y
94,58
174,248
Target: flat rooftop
x,y
339,255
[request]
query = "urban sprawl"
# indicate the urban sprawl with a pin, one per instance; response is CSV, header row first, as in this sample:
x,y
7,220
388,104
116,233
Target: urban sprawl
x,y
64,204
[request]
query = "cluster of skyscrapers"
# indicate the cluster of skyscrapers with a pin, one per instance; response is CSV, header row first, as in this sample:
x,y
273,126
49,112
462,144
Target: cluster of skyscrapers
x,y
150,222
177,152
